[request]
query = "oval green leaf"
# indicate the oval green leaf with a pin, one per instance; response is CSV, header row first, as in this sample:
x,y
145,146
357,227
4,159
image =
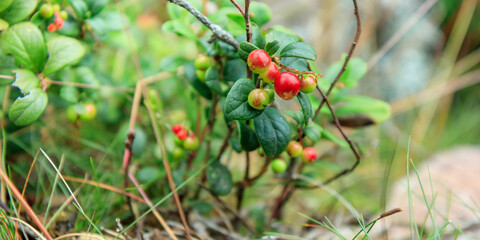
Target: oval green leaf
x,y
212,79
272,47
25,80
236,104
299,50
28,109
4,4
17,10
245,49
273,131
306,107
248,139
219,179
25,42
62,51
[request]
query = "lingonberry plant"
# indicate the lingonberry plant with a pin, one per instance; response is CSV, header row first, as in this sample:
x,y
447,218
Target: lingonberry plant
x,y
230,102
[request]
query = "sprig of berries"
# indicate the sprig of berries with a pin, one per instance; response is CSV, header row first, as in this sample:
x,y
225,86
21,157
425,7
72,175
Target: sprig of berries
x,y
48,11
287,84
185,140
201,64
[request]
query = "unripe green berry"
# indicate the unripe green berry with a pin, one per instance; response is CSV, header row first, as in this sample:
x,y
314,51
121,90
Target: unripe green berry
x,y
258,99
271,94
202,62
278,165
178,153
191,143
56,8
72,114
64,14
46,11
201,74
294,149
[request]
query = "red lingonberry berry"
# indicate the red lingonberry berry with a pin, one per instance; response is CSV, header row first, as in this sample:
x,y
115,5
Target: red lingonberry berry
x,y
309,154
272,72
182,134
176,128
52,27
294,149
308,83
258,61
287,85
258,99
59,22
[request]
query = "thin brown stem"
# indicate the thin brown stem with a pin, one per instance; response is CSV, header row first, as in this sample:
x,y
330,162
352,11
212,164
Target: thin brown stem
x,y
249,181
238,7
347,59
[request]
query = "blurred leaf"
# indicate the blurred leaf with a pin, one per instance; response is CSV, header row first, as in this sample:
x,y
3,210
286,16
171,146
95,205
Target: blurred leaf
x,y
296,63
298,50
99,26
297,116
245,49
313,132
377,111
257,37
330,136
147,174
219,179
212,79
261,13
3,24
176,26
355,70
306,107
248,139
201,87
283,35
80,8
62,51
272,47
202,207
171,63
25,42
234,69
25,80
17,10
86,75
236,23
69,93
139,142
29,108
235,145
95,6
273,131
4,4
236,104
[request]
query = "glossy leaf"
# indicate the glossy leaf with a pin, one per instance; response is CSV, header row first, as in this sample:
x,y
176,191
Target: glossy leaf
x,y
25,80
306,107
18,10
298,50
245,49
248,139
62,51
219,179
284,35
29,108
212,79
236,104
25,42
234,69
297,63
273,131
272,47
313,132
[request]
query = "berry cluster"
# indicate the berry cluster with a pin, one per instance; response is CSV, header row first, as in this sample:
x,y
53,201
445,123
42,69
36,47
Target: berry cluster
x,y
286,84
47,11
294,149
201,63
185,140
86,112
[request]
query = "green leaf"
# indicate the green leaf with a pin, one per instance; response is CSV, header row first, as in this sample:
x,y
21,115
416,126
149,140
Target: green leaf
x,y
4,4
62,51
236,104
313,132
297,63
212,79
248,139
272,47
234,69
306,107
257,37
355,70
180,28
298,50
284,35
236,23
99,26
80,8
3,24
18,10
25,42
368,110
219,179
202,88
273,131
95,6
245,49
297,116
69,93
235,145
261,13
29,108
25,80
